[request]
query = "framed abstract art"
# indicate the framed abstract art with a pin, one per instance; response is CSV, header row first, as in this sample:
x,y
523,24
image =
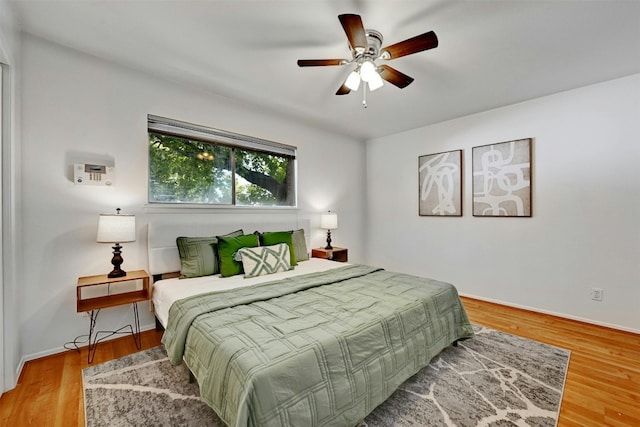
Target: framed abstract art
x,y
440,184
502,179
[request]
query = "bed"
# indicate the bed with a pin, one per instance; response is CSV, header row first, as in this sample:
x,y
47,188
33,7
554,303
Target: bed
x,y
321,344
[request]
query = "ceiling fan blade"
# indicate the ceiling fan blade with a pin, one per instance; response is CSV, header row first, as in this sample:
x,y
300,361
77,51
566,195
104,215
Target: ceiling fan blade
x,y
343,90
395,77
352,25
320,62
413,45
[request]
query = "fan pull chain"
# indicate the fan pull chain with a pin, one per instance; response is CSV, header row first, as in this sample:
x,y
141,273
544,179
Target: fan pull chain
x,y
364,94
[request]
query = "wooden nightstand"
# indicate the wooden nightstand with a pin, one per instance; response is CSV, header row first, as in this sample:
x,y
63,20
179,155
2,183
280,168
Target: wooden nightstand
x,y
335,254
104,299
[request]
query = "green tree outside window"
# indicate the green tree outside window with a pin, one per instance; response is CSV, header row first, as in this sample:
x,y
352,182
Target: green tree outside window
x,y
183,170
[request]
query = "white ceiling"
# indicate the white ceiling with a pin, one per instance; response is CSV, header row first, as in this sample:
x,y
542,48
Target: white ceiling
x,y
491,53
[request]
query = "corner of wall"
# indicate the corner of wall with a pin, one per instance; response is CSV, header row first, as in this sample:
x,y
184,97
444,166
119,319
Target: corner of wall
x,y
10,366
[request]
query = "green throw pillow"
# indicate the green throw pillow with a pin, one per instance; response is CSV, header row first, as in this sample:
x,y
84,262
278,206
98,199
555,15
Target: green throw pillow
x,y
227,248
199,255
299,245
265,259
274,237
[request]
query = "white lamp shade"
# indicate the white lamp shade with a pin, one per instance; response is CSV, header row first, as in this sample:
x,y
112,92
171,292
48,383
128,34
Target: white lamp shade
x,y
329,221
114,228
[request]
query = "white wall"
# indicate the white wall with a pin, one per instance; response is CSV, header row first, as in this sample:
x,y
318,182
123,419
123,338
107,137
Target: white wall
x,y
584,231
76,106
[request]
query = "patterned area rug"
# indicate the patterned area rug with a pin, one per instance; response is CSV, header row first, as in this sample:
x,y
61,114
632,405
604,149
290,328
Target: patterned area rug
x,y
494,379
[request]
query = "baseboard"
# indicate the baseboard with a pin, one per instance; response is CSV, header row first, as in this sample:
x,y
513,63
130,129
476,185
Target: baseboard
x,y
553,313
62,349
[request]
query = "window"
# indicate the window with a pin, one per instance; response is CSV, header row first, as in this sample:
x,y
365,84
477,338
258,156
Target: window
x,y
194,164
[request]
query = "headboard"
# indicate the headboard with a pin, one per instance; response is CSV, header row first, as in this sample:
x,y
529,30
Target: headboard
x,y
163,251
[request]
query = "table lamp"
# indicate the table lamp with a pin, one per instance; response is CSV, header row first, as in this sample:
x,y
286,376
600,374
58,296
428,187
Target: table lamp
x,y
329,221
116,228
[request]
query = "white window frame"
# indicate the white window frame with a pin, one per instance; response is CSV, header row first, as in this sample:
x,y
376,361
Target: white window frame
x,y
177,128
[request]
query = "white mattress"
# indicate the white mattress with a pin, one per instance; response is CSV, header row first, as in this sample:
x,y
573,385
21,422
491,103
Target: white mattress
x,y
166,292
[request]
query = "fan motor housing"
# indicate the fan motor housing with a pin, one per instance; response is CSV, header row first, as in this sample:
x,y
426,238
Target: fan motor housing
x,y
374,40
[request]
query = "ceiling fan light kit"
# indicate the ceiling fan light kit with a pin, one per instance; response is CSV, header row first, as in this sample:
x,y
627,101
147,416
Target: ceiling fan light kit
x,y
366,48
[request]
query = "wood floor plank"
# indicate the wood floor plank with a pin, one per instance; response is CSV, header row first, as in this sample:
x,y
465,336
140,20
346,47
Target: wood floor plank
x,y
602,385
71,386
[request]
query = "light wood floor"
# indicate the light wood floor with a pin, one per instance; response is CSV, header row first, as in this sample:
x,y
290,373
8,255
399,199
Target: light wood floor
x,y
602,387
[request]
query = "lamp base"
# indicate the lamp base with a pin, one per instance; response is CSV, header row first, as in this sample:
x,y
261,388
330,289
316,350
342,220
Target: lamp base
x,y
116,273
328,240
117,262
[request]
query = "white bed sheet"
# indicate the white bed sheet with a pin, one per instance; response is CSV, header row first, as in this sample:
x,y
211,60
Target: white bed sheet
x,y
166,292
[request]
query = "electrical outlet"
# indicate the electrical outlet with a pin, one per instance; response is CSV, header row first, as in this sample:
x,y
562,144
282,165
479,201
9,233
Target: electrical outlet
x,y
596,294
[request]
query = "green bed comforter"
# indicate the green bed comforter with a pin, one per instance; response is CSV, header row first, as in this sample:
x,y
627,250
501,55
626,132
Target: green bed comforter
x,y
323,349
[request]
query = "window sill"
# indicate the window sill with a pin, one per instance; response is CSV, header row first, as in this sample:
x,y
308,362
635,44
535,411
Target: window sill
x,y
186,208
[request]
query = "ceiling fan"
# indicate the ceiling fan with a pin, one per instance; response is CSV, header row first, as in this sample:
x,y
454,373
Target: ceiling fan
x,y
366,48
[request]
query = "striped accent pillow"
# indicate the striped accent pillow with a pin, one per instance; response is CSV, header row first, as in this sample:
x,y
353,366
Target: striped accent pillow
x,y
199,255
265,259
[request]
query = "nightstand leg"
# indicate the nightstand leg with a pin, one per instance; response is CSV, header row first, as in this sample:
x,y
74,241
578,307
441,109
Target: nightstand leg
x,y
91,349
93,343
137,338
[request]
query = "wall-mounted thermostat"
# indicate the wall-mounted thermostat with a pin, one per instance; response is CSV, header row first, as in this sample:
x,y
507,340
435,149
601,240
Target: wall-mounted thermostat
x,y
86,174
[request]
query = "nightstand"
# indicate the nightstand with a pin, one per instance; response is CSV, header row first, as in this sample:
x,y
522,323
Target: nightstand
x,y
335,254
101,285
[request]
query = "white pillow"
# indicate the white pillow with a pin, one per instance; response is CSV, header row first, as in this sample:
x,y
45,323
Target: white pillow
x,y
265,259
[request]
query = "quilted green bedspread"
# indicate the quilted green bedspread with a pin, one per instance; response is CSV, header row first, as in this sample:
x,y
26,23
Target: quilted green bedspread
x,y
323,349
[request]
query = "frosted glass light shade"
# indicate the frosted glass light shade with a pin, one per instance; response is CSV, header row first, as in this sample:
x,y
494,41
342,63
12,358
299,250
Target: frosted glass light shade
x,y
329,221
375,82
115,228
368,71
353,81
